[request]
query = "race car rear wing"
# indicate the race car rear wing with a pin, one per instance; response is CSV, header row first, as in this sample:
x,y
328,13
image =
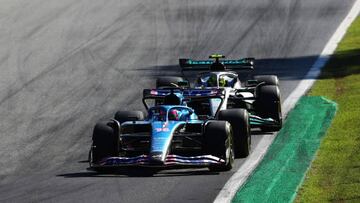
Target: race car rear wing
x,y
186,93
239,64
182,94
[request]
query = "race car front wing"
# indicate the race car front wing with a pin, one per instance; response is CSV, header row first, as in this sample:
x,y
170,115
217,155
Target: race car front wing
x,y
258,121
171,160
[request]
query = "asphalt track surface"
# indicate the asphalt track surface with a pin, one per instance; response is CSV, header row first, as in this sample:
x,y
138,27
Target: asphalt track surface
x,y
66,64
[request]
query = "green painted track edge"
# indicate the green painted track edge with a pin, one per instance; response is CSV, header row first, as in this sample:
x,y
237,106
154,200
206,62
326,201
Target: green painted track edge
x,y
258,188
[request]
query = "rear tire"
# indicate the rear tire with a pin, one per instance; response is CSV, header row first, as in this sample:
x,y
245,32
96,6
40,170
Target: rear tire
x,y
123,116
168,81
239,120
268,79
268,105
105,142
218,142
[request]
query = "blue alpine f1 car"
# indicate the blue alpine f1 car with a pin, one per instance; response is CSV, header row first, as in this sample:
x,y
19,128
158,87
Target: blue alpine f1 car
x,y
183,128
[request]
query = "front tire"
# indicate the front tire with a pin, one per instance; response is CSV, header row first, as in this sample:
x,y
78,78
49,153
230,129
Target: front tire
x,y
218,142
269,106
239,120
105,142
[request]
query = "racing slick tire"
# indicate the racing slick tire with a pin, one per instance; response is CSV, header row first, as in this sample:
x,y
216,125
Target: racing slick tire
x,y
123,116
105,142
268,79
168,81
239,120
218,142
269,106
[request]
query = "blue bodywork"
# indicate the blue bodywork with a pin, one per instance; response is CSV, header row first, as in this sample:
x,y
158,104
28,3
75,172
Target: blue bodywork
x,y
164,122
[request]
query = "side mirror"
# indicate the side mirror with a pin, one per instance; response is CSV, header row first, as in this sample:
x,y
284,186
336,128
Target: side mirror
x,y
251,83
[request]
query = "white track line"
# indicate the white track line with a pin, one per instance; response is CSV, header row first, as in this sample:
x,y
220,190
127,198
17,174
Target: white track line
x,y
240,176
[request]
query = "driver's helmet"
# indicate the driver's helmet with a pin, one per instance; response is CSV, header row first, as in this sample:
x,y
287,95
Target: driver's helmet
x,y
211,82
222,82
174,115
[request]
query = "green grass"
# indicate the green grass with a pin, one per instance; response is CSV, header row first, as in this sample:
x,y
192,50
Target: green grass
x,y
334,175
